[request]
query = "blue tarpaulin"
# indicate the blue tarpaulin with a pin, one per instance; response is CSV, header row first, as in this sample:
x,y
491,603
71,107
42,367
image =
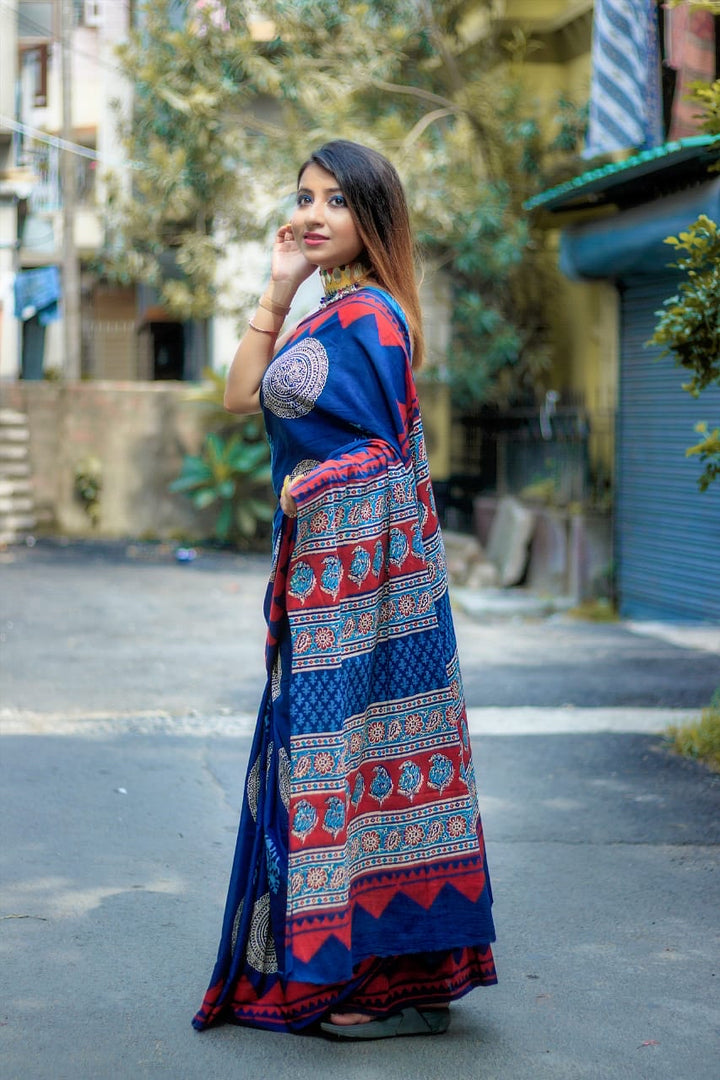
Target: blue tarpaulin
x,y
632,242
37,292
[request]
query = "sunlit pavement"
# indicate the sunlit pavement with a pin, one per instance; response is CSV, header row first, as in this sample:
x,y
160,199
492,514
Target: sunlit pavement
x,y
129,683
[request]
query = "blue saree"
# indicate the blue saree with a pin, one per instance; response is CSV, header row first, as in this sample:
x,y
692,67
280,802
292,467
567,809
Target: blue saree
x,y
359,873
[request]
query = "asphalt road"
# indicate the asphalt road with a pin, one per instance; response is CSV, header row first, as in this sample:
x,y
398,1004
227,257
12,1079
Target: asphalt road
x,y
128,684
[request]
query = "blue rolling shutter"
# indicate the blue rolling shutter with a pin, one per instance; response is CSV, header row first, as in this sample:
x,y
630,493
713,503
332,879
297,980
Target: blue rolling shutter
x,y
667,532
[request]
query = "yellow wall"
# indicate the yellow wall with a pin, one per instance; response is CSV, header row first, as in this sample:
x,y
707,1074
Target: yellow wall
x,y
584,316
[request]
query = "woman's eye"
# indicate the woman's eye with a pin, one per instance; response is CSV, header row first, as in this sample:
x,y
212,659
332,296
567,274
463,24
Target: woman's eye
x,y
338,200
302,200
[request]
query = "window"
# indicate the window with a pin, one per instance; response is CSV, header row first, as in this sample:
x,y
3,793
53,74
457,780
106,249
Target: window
x,y
34,61
92,12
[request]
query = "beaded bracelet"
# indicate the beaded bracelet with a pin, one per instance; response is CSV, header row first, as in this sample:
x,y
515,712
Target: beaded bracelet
x,y
259,329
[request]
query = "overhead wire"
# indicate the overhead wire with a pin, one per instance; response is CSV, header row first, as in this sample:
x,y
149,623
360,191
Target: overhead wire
x,y
66,144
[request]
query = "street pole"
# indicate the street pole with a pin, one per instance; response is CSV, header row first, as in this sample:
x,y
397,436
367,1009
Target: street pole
x,y
70,266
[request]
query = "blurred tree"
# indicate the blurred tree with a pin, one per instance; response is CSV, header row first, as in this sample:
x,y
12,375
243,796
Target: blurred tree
x,y
688,325
226,100
195,77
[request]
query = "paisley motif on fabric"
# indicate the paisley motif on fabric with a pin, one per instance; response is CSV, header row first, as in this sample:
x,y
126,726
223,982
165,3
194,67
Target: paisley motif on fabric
x,y
305,819
302,581
411,779
284,776
378,559
331,576
359,566
294,381
441,772
334,819
381,785
358,789
399,547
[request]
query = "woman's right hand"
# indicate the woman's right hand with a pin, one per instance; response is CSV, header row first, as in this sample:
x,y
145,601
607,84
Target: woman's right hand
x,y
288,262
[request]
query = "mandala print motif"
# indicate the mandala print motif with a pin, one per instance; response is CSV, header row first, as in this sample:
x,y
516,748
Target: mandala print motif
x,y
303,467
261,953
293,383
276,678
253,788
284,776
236,926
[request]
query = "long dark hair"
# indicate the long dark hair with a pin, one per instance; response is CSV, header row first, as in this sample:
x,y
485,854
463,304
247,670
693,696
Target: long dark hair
x,y
377,203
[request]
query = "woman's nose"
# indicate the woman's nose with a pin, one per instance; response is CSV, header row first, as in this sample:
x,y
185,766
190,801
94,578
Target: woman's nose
x,y
313,214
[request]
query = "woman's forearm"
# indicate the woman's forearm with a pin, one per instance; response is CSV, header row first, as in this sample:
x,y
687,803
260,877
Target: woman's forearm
x,y
256,348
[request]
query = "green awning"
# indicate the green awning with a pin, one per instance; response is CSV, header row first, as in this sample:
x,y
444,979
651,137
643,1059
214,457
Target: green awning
x,y
631,180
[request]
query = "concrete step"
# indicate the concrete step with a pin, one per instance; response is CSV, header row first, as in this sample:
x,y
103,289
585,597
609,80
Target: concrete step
x,y
12,452
16,468
12,416
19,486
17,504
17,522
14,434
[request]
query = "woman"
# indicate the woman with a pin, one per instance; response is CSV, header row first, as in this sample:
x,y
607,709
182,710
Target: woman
x,y
359,896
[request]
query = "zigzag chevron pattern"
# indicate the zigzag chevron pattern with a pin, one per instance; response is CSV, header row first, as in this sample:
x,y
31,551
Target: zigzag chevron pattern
x,y
625,97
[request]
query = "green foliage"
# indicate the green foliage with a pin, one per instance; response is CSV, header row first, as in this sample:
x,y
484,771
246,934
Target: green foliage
x,y
437,88
700,740
708,450
707,98
229,102
87,486
231,474
193,80
688,326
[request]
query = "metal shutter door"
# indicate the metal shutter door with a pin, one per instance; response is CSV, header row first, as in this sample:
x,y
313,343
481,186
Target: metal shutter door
x,y
667,532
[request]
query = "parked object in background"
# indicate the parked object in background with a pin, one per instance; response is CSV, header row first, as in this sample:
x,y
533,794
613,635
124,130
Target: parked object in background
x,y
553,551
503,561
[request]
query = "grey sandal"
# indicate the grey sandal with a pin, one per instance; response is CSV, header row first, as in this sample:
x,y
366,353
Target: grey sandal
x,y
409,1021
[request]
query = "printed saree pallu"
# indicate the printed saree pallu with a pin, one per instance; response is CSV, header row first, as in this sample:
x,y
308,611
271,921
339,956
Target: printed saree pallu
x,y
359,873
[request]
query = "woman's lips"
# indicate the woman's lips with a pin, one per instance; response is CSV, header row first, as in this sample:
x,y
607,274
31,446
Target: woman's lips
x,y
312,239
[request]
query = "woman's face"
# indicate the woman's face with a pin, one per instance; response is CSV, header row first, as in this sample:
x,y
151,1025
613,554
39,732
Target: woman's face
x,y
322,224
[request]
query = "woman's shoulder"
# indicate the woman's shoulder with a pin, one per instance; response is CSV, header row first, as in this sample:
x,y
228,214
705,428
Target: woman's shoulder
x,y
375,294
373,300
